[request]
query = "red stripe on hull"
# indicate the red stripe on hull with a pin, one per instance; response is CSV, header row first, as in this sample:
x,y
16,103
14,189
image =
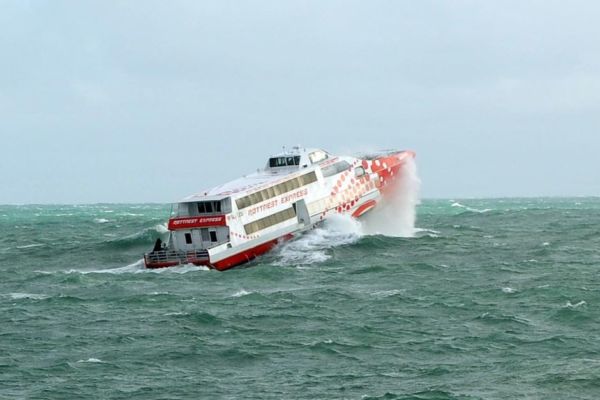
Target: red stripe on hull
x,y
157,265
364,208
248,255
231,261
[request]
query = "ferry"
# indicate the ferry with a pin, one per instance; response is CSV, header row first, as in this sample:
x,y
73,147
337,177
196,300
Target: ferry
x,y
296,191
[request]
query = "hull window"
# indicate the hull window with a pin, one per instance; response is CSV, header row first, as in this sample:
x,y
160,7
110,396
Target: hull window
x,y
271,220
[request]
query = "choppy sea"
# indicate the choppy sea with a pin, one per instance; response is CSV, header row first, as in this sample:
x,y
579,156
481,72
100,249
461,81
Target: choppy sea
x,y
491,299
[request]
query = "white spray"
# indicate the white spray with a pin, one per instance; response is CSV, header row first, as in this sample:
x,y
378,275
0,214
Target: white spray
x,y
396,214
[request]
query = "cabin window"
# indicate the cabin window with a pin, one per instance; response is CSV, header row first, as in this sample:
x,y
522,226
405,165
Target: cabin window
x,y
359,171
334,169
276,190
213,236
317,156
188,238
270,220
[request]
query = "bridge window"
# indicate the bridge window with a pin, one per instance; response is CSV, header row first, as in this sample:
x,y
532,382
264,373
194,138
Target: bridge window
x,y
207,207
287,161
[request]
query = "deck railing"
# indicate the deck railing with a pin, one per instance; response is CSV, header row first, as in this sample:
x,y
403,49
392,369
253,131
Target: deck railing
x,y
178,256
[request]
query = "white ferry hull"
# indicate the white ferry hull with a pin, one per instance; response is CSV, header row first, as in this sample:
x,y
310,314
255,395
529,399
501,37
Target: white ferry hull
x,y
252,221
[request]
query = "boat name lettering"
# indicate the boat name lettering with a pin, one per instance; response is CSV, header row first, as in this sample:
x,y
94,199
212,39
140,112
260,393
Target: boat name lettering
x,y
203,220
195,222
275,202
262,207
294,196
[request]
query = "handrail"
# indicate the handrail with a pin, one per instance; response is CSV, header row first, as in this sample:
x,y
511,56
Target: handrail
x,y
183,257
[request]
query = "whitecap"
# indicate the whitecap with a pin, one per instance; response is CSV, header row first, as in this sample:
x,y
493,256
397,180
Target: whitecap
x,y
576,305
100,220
31,296
241,293
423,232
471,209
387,293
91,360
546,244
29,246
508,290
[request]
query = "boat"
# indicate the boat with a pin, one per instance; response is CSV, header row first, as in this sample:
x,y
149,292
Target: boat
x,y
296,191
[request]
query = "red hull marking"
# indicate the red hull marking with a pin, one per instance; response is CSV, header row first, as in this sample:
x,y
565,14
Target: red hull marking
x,y
389,175
364,208
196,222
248,255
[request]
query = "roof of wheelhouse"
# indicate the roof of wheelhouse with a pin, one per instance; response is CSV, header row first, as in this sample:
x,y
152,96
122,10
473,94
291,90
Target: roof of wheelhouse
x,y
277,167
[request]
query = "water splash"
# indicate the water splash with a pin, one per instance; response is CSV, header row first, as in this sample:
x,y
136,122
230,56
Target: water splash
x,y
396,214
313,247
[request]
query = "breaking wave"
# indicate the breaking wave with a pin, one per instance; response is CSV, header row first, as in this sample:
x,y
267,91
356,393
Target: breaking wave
x,y
141,238
471,209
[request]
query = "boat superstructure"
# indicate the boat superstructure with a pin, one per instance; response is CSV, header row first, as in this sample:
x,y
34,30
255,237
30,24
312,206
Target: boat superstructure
x,y
234,223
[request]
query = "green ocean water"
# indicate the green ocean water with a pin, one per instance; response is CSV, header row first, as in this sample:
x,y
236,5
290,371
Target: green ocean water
x,y
493,299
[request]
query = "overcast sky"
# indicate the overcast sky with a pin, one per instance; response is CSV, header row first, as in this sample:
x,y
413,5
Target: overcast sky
x,y
147,101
